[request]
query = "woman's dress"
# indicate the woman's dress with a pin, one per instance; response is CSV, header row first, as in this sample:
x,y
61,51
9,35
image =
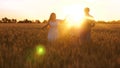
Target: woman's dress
x,y
53,33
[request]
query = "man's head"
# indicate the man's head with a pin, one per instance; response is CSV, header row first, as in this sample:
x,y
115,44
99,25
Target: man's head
x,y
86,10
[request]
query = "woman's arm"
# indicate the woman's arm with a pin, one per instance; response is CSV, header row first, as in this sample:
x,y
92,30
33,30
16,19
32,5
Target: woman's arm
x,y
45,26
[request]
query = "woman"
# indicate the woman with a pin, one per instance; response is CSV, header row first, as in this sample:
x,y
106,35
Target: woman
x,y
53,33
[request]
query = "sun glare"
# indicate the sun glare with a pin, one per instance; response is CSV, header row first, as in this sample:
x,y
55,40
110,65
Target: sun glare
x,y
74,14
40,50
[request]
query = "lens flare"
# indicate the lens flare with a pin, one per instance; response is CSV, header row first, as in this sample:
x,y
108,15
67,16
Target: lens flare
x,y
40,50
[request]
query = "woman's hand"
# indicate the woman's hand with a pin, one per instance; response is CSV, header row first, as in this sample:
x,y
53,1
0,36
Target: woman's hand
x,y
44,26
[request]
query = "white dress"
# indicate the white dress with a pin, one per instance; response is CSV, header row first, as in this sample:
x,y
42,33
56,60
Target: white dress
x,y
53,33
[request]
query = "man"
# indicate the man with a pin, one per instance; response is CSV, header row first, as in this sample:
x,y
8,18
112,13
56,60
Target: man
x,y
88,23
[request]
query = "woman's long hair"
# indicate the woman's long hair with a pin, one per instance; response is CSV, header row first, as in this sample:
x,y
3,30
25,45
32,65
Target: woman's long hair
x,y
52,17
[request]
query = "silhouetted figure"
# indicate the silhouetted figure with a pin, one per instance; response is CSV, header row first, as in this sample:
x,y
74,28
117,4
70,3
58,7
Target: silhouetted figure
x,y
88,23
53,33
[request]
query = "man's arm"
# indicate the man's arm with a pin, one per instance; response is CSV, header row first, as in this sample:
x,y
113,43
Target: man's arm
x,y
93,23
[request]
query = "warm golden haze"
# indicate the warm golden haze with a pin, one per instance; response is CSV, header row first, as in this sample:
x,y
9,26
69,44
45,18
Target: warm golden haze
x,y
40,9
19,48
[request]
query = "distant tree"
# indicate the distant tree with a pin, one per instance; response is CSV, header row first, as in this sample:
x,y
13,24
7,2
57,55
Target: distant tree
x,y
20,22
37,21
45,21
14,21
119,21
109,22
5,20
9,21
27,21
102,22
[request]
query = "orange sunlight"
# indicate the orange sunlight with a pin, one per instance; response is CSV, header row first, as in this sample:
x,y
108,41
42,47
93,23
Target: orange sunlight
x,y
74,14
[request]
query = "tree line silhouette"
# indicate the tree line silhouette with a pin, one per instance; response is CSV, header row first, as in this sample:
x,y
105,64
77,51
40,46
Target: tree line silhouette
x,y
7,20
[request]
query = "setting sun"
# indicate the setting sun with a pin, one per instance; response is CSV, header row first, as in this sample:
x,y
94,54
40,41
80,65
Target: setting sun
x,y
74,14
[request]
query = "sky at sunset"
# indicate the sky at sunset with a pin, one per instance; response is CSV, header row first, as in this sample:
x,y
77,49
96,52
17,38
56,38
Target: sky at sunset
x,y
41,9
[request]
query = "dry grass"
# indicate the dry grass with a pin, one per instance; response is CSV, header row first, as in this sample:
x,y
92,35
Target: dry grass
x,y
18,43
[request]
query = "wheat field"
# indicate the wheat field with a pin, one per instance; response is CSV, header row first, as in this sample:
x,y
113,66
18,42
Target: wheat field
x,y
18,44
